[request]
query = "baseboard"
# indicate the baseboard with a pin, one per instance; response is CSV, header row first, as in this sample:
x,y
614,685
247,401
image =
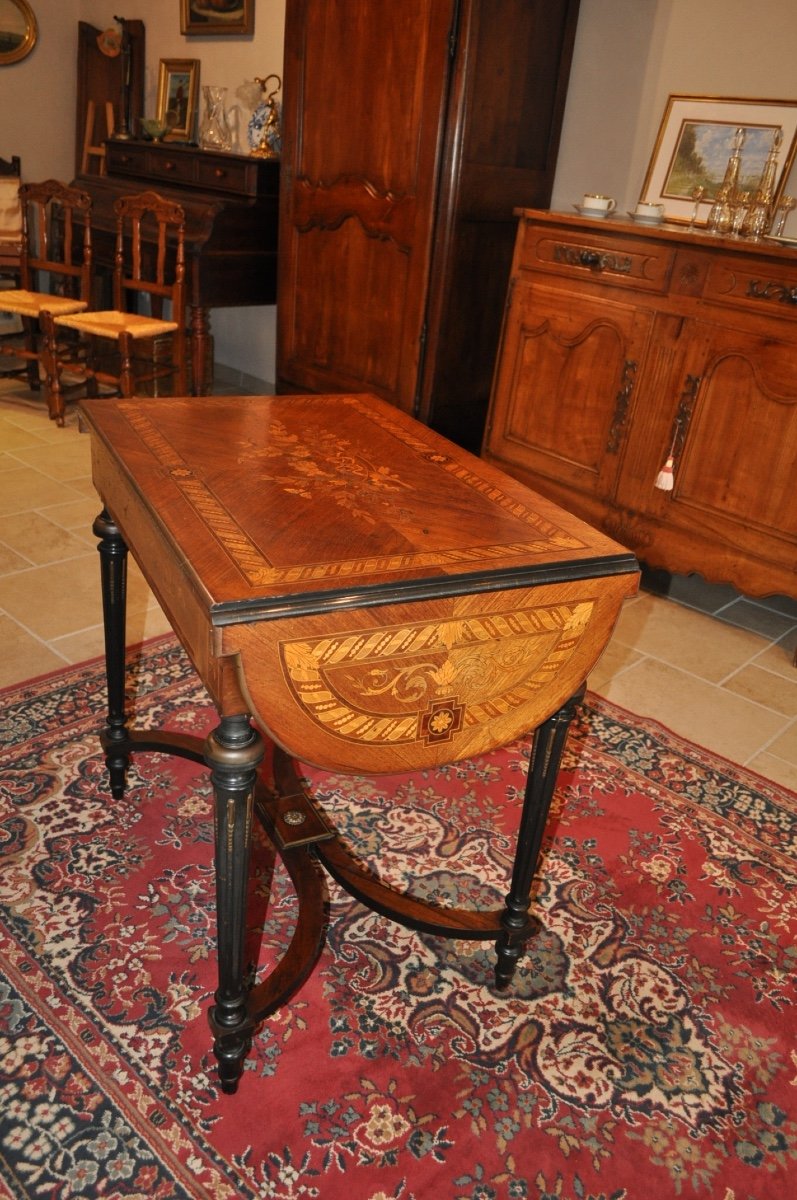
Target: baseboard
x,y
232,377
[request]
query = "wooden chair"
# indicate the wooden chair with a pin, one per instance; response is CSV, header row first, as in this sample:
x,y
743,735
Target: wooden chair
x,y
145,348
10,218
55,271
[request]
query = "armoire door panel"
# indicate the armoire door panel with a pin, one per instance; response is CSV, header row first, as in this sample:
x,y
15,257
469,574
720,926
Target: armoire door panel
x,y
363,117
348,342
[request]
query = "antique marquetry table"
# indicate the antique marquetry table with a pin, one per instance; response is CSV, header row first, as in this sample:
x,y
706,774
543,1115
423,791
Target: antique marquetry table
x,y
367,597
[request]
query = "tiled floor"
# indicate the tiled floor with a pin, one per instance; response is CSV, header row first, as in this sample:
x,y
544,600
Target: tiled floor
x,y
707,663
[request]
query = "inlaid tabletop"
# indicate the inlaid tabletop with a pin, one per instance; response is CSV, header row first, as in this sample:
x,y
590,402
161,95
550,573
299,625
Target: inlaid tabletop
x,y
377,598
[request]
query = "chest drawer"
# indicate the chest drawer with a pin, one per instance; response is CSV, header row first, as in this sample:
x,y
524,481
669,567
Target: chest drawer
x,y
604,257
227,173
126,159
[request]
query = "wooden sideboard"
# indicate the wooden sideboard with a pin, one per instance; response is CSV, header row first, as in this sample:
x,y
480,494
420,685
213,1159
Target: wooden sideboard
x,y
624,346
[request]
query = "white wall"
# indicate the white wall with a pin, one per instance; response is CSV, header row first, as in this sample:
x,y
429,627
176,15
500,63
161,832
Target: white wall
x,y
630,55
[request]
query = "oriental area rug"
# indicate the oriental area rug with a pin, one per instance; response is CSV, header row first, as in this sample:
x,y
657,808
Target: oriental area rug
x,y
645,1050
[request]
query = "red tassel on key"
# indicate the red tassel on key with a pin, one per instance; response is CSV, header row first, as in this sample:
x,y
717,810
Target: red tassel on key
x,y
664,479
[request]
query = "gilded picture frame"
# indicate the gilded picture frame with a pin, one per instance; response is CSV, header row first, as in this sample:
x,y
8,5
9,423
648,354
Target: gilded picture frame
x,y
18,30
178,91
203,18
695,140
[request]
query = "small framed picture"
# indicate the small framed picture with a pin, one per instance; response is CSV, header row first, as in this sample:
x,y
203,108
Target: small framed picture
x,y
198,17
696,139
178,89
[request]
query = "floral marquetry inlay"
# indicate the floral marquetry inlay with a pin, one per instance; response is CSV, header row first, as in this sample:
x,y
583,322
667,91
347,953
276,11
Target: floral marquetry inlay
x,y
332,470
427,681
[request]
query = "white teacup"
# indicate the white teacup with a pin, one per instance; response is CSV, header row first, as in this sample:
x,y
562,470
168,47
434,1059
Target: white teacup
x,y
598,202
654,211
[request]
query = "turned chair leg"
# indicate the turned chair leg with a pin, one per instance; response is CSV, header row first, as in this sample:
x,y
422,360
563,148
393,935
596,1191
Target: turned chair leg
x,y
52,383
126,379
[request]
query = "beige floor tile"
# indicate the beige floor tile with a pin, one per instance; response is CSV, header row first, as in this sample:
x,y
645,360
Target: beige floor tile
x,y
690,640
615,658
79,647
143,623
39,539
69,461
74,514
691,707
26,488
780,656
785,745
14,438
86,487
9,559
776,769
24,656
54,600
765,687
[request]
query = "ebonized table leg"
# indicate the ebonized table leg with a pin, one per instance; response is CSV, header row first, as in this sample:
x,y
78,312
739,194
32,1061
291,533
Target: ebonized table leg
x,y
113,566
546,754
233,752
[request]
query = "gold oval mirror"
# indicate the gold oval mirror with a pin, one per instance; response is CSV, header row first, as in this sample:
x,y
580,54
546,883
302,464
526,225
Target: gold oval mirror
x,y
17,30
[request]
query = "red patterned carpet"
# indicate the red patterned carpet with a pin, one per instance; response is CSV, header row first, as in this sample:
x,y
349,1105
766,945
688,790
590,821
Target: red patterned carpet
x,y
646,1050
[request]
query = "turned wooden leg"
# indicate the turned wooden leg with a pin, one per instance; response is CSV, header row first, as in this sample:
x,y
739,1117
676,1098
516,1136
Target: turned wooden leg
x,y
233,752
200,338
113,567
546,755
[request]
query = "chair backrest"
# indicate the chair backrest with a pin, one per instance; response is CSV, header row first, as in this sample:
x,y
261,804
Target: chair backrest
x,y
56,239
150,253
10,213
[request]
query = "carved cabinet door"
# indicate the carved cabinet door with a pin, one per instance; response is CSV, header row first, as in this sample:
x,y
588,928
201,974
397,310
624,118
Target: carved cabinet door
x,y
729,416
364,89
564,396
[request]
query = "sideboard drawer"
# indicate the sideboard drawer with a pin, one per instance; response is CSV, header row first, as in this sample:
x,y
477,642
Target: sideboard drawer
x,y
640,263
764,286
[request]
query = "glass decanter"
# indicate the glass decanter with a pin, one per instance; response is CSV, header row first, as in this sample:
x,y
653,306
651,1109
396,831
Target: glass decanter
x,y
760,213
214,131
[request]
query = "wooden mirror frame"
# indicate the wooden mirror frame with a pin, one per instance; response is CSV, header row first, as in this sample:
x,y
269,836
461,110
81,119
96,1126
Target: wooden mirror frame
x,y
19,47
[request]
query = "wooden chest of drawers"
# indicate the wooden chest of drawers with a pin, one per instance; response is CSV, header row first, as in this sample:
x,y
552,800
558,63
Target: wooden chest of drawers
x,y
623,347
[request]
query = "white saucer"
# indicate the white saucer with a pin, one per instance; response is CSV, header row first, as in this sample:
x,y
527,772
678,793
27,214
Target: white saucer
x,y
600,213
643,220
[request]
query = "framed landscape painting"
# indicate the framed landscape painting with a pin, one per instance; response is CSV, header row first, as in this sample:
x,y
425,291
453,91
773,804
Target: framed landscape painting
x,y
695,141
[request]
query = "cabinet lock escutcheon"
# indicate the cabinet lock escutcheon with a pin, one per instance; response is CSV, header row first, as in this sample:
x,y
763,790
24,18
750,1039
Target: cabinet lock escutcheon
x,y
621,406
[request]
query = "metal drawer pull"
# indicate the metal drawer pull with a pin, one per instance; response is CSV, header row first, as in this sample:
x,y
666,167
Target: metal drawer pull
x,y
783,292
596,260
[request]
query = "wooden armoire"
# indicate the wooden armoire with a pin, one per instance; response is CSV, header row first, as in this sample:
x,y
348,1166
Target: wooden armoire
x,y
410,133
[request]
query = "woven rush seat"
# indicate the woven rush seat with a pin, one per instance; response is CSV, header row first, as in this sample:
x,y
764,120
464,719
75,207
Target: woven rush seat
x,y
111,323
32,304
